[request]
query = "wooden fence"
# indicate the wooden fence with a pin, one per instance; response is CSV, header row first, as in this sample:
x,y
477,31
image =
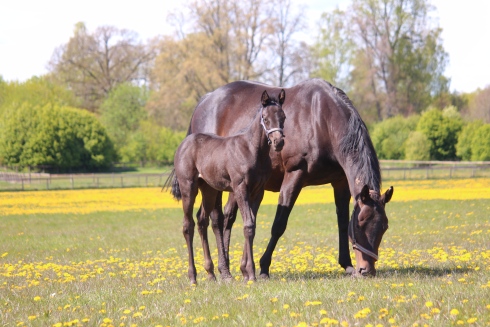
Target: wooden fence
x,y
391,170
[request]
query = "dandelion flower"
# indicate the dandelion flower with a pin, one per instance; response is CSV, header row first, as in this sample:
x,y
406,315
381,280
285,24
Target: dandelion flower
x,y
454,312
429,304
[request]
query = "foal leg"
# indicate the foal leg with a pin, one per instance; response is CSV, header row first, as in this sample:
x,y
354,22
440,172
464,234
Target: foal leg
x,y
247,265
208,200
188,190
342,198
231,210
217,222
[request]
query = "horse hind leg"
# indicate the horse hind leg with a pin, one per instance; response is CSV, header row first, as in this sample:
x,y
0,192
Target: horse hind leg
x,y
229,215
189,192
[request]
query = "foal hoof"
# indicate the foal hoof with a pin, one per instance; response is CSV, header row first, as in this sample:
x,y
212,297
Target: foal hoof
x,y
350,271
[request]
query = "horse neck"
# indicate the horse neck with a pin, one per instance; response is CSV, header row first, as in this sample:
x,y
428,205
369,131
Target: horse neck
x,y
257,136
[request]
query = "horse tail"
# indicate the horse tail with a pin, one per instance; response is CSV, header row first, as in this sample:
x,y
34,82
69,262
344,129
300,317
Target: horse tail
x,y
173,184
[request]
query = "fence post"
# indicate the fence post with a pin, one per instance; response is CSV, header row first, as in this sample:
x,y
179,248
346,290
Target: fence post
x,y
72,182
47,183
22,181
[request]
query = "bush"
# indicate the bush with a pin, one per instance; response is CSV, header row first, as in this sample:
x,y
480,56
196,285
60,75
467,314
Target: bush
x,y
465,139
54,136
390,135
417,147
442,129
480,144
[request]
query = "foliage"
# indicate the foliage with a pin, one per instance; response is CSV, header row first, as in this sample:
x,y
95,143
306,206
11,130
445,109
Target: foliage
x,y
442,129
417,146
480,144
389,136
53,136
226,41
152,143
479,106
92,64
465,139
392,52
122,112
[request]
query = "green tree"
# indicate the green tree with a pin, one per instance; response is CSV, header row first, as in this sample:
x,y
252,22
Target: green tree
x,y
442,129
122,112
417,147
389,136
480,145
53,137
465,139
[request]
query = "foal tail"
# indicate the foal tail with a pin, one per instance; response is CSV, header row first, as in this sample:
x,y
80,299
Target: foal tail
x,y
174,183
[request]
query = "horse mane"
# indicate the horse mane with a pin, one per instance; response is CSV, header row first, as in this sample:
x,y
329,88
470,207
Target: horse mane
x,y
357,146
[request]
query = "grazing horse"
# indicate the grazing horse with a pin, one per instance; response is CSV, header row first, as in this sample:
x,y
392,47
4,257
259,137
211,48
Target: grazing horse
x,y
331,144
240,164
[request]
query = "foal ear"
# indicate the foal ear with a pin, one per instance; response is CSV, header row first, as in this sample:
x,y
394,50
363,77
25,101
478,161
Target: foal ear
x,y
282,97
388,194
364,195
265,99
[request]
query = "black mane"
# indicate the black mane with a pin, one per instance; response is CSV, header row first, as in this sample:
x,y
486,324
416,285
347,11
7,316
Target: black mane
x,y
357,146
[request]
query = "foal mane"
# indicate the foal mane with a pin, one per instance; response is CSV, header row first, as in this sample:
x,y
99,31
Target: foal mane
x,y
357,146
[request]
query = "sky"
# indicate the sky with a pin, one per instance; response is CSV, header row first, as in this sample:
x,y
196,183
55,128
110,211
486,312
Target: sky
x,y
30,31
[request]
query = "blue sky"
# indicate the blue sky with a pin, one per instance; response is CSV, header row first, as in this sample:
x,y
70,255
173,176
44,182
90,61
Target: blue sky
x,y
30,30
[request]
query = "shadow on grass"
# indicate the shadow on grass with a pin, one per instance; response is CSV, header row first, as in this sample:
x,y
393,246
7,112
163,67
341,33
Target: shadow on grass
x,y
382,273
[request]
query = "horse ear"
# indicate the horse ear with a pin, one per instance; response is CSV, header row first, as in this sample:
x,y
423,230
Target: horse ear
x,y
388,194
265,99
364,195
282,97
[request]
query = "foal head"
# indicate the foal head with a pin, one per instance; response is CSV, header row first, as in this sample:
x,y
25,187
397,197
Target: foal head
x,y
273,118
366,228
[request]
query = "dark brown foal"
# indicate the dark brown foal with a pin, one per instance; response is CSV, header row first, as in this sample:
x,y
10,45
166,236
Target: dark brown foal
x,y
240,164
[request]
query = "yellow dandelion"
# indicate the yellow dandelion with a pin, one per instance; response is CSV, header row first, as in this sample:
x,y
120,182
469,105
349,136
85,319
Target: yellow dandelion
x,y
286,306
32,317
127,311
274,299
454,312
137,314
429,304
471,320
37,298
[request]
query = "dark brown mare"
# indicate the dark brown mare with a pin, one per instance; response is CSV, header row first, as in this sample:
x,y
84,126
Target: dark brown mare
x,y
330,144
238,164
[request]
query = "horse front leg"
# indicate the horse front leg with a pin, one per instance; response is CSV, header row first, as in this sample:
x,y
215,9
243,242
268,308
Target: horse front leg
x,y
247,265
202,226
342,199
290,189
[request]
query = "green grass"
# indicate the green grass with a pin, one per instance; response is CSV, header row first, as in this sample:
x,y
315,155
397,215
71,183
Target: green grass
x,y
130,268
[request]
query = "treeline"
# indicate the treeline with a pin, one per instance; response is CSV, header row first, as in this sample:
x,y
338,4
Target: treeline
x,y
433,135
111,97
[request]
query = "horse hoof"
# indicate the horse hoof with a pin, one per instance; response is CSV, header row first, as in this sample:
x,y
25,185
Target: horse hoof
x,y
227,278
264,276
350,271
212,278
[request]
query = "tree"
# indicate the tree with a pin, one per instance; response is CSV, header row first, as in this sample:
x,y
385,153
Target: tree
x,y
479,106
442,129
390,135
92,64
54,137
480,145
396,61
223,41
465,139
122,112
417,147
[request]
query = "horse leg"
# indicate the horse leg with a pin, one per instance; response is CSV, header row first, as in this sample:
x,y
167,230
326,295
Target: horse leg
x,y
208,200
231,209
290,189
188,190
247,265
217,219
342,198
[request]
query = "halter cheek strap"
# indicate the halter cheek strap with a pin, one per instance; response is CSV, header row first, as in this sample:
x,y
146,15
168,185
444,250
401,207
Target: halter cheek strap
x,y
268,131
355,245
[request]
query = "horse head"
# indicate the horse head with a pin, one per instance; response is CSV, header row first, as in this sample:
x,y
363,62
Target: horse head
x,y
273,118
366,228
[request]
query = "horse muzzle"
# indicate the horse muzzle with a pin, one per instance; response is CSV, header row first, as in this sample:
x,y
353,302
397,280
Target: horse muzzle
x,y
365,265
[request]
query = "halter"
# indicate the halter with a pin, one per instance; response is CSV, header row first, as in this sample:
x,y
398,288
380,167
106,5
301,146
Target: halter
x,y
355,245
268,131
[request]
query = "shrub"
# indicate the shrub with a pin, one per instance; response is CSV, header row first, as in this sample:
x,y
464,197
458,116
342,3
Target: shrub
x,y
390,135
417,147
463,147
480,144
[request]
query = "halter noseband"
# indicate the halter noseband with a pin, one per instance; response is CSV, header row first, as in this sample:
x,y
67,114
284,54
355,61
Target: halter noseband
x,y
268,131
355,245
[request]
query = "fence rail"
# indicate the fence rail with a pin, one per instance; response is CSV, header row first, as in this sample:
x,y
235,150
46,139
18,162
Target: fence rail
x,y
391,170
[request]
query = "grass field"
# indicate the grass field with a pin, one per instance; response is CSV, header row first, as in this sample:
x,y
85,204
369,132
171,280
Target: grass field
x,y
117,258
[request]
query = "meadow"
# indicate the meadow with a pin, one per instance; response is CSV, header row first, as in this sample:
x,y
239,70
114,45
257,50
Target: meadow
x,y
117,257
